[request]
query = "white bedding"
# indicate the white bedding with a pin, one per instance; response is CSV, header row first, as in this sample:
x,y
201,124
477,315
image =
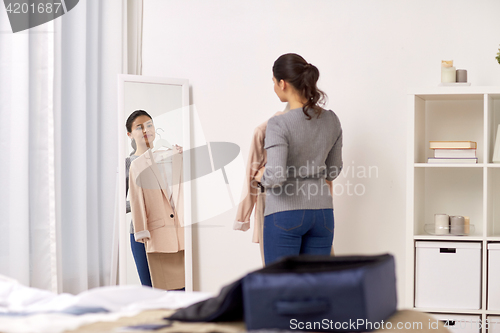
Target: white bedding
x,y
24,309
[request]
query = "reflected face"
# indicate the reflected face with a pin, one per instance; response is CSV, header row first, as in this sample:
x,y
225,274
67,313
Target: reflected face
x,y
143,131
279,91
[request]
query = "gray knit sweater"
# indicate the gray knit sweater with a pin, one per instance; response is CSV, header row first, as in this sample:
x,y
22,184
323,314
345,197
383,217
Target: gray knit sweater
x,y
301,153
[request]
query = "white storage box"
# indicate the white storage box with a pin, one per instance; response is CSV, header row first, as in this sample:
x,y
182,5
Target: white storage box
x,y
494,276
458,323
448,275
493,324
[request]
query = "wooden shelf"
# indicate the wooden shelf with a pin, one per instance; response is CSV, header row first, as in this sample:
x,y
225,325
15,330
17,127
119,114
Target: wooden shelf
x,y
449,238
459,311
450,311
473,238
430,165
455,93
493,312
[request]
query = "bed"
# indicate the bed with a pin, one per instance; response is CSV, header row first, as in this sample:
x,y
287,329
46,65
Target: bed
x,y
413,319
107,309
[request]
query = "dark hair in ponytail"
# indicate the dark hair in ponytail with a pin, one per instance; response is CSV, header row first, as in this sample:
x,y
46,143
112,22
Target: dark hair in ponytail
x,y
302,76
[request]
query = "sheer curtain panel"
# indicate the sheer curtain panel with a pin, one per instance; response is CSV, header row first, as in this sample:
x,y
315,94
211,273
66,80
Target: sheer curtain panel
x,y
27,240
58,135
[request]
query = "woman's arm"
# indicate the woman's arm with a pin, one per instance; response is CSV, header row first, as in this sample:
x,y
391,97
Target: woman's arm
x,y
138,209
276,145
334,162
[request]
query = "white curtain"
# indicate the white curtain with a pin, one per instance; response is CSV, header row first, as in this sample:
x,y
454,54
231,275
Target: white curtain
x,y
58,140
134,36
27,240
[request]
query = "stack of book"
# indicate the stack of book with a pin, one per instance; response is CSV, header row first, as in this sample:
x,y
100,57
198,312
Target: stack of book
x,y
446,152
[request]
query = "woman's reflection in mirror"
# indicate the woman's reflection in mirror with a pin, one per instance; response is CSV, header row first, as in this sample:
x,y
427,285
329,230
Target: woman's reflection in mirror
x,y
141,130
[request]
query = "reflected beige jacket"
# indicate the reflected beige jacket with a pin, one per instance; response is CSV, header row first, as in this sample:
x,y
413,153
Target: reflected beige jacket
x,y
155,222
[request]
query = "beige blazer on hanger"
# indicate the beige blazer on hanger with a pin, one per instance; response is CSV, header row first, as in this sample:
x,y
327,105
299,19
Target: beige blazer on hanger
x,y
156,223
257,158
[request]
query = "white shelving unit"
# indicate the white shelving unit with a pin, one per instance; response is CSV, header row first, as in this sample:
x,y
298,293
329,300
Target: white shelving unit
x,y
452,114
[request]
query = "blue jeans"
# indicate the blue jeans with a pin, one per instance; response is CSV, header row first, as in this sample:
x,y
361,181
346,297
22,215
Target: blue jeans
x,y
294,232
141,261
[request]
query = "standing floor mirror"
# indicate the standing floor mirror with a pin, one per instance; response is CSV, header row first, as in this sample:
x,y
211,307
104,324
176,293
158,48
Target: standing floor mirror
x,y
166,100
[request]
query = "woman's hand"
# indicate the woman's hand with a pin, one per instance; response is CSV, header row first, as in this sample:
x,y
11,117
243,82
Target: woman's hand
x,y
179,148
259,174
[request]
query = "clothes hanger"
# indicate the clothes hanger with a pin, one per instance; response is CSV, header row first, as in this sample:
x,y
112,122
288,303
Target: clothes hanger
x,y
162,149
161,143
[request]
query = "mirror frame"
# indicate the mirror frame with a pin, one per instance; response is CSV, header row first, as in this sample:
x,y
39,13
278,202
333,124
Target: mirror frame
x,y
121,233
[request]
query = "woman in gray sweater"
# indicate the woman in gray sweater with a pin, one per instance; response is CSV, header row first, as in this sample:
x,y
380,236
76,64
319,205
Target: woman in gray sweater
x,y
304,147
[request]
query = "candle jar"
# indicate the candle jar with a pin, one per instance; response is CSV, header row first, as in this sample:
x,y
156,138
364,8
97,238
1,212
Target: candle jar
x,y
448,74
461,75
466,225
457,225
442,224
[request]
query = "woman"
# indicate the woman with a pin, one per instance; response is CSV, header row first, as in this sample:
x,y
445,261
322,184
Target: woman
x,y
141,130
304,147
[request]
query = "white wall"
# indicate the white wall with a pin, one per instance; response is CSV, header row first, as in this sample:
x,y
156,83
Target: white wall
x,y
369,53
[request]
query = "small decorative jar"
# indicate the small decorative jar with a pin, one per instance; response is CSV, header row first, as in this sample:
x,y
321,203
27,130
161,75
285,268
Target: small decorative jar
x,y
448,72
